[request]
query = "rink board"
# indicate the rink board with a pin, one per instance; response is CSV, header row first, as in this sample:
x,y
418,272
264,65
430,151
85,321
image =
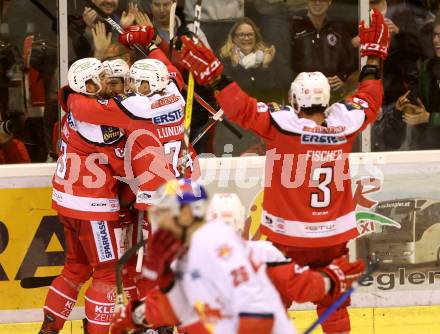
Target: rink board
x,y
402,320
32,242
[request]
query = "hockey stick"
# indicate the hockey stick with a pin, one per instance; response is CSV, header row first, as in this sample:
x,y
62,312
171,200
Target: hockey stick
x,y
140,238
115,26
333,307
214,113
119,266
207,127
172,24
190,93
36,282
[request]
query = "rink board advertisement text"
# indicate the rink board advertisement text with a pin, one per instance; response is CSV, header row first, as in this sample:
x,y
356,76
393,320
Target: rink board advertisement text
x,y
31,244
398,216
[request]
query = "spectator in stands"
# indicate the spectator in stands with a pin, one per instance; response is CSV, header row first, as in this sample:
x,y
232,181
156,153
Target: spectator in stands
x,y
218,17
400,75
433,11
12,150
249,61
82,34
43,60
160,13
247,58
424,115
117,50
273,17
101,40
110,7
321,44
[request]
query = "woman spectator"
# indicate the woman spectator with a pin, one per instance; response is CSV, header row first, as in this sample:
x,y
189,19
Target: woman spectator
x,y
425,115
247,60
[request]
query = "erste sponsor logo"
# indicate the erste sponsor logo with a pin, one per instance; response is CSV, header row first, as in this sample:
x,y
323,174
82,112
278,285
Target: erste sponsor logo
x,y
167,118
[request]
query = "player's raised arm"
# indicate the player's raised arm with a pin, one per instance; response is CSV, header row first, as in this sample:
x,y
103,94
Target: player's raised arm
x,y
374,45
145,36
237,105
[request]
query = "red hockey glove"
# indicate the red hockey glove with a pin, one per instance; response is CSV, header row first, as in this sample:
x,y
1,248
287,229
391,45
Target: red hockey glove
x,y
142,35
162,249
375,39
342,274
131,316
200,61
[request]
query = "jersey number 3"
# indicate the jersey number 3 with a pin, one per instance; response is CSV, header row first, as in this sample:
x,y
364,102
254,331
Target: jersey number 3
x,y
323,176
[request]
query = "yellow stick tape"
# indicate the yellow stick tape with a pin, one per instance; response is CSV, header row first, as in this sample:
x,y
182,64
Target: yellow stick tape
x,y
189,102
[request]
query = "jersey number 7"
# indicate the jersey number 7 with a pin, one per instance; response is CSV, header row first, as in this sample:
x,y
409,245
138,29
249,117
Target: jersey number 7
x,y
174,147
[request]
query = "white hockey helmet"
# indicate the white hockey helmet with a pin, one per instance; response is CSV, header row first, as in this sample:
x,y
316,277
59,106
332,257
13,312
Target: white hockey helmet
x,y
227,207
116,68
309,89
83,70
151,70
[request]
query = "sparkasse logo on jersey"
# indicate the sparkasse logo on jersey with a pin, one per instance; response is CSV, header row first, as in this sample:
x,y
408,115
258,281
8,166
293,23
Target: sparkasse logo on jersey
x,y
170,117
322,139
102,238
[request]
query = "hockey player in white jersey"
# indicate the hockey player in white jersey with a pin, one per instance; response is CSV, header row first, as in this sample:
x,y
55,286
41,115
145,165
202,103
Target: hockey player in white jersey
x,y
213,273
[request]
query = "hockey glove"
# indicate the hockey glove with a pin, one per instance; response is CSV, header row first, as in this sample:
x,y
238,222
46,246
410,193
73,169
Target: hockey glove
x,y
374,39
142,35
200,61
162,249
342,274
129,317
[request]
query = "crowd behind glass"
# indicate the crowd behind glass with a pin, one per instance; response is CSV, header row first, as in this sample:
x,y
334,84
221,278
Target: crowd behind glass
x,y
263,45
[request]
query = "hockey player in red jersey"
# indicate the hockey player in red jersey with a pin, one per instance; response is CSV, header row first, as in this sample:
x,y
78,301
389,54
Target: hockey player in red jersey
x,y
294,283
85,194
308,209
152,115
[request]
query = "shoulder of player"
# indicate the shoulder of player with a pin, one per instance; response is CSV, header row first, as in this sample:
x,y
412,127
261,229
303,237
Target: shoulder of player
x,y
214,237
273,107
349,114
351,103
78,104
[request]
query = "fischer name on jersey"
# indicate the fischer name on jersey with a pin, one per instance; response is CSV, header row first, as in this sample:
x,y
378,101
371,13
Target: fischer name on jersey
x,y
308,200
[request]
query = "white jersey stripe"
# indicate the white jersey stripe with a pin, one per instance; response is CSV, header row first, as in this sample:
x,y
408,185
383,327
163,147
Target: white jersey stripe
x,y
98,323
87,204
62,294
56,313
298,229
